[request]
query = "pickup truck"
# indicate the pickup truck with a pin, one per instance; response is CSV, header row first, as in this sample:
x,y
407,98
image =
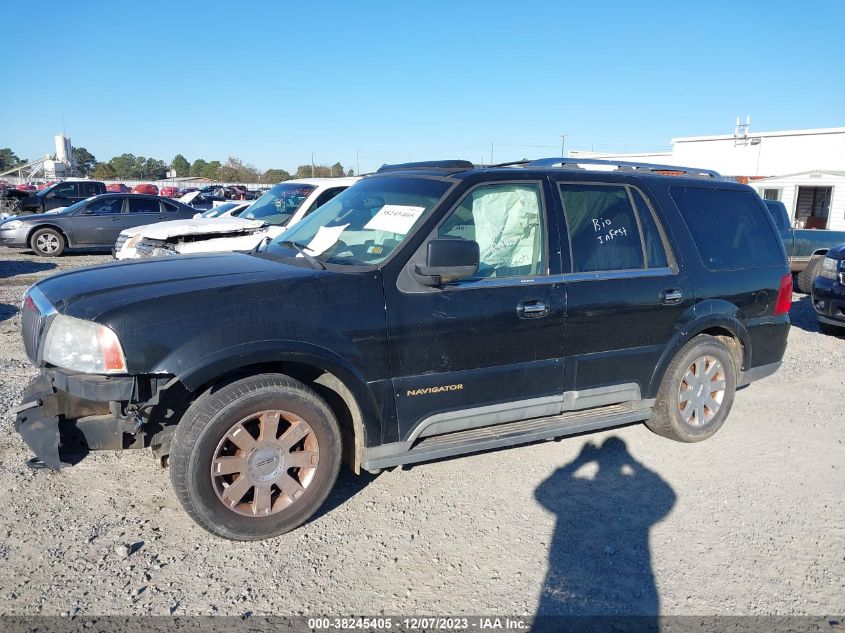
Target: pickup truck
x,y
62,194
805,248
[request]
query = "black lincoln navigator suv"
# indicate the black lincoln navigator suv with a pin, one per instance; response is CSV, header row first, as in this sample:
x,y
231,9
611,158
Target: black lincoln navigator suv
x,y
430,310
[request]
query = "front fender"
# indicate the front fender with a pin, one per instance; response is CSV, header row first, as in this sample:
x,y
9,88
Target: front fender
x,y
705,316
223,361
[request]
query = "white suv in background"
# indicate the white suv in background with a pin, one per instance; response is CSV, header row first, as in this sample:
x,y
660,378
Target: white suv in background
x,y
281,207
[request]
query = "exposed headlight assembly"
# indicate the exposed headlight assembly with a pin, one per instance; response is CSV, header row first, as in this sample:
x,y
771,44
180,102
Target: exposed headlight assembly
x,y
828,269
14,224
83,346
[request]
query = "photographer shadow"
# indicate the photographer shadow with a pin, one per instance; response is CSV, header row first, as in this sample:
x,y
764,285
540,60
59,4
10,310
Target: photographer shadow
x,y
605,503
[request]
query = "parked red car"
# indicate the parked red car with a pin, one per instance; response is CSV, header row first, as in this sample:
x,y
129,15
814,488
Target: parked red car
x,y
118,187
169,192
26,187
147,188
44,185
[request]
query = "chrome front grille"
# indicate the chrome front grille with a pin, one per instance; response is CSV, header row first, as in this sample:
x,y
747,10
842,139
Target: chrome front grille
x,y
30,328
35,312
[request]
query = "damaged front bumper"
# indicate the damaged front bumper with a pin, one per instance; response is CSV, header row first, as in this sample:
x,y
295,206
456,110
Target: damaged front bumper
x,y
91,412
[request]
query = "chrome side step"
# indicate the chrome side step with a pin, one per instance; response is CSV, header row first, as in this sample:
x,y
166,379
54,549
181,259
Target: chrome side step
x,y
501,435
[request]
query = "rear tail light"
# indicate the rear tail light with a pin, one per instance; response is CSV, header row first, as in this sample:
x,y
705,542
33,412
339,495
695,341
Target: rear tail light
x,y
784,301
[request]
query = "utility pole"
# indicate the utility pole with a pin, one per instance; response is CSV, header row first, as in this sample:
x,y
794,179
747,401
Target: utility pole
x,y
562,144
312,164
357,162
491,152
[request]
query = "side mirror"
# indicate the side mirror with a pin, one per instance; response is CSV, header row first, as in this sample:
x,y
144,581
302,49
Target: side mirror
x,y
449,260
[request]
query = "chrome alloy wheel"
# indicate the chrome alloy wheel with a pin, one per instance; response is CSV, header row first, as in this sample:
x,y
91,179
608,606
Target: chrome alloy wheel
x,y
701,391
47,243
264,463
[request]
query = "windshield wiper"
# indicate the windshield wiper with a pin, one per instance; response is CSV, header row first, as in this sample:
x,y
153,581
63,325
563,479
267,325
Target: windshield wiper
x,y
303,250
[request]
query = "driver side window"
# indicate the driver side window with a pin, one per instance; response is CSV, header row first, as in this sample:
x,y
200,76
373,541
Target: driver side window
x,y
505,220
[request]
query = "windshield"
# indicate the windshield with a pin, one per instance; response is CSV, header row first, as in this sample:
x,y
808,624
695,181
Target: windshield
x,y
218,210
278,205
364,224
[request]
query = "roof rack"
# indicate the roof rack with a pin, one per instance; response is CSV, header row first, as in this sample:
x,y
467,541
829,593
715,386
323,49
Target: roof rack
x,y
428,164
575,163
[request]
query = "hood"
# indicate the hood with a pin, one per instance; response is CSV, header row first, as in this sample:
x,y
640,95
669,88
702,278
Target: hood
x,y
194,226
94,292
837,252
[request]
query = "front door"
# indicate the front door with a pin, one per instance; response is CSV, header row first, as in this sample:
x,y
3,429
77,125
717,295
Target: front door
x,y
489,349
625,293
99,222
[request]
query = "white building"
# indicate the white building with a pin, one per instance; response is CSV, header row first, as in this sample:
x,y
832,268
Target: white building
x,y
814,199
749,154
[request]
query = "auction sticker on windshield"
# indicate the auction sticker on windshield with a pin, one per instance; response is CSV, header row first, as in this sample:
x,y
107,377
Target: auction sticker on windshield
x,y
325,239
395,218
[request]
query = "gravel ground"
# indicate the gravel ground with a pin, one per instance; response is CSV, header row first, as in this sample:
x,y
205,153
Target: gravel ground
x,y
750,522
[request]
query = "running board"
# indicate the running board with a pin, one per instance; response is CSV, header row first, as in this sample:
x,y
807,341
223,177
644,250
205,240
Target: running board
x,y
501,435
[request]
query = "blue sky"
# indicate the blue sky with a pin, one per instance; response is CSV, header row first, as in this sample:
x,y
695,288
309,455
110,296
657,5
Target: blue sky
x,y
272,82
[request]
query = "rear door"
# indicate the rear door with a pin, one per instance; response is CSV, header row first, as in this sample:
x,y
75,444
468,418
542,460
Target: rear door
x,y
98,222
143,210
625,291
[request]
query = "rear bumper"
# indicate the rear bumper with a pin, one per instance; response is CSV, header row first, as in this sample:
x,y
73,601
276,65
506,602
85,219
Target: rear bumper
x,y
757,373
60,409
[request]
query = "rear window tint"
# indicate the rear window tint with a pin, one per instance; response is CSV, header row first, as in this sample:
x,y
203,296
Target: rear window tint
x,y
729,228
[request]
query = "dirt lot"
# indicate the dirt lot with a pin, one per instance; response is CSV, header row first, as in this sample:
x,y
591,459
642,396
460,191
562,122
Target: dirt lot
x,y
750,522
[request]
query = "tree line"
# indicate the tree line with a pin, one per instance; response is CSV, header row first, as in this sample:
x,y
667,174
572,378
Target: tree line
x,y
131,167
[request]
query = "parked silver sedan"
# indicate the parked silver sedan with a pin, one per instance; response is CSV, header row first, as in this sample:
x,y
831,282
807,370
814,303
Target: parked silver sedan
x,y
94,223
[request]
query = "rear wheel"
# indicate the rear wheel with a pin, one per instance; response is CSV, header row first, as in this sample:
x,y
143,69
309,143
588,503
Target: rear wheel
x,y
697,391
806,276
255,458
47,242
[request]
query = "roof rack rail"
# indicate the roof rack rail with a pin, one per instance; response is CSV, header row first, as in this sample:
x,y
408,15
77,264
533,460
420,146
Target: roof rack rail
x,y
428,164
621,165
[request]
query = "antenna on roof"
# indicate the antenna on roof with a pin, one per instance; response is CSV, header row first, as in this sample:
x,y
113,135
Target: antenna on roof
x,y
741,131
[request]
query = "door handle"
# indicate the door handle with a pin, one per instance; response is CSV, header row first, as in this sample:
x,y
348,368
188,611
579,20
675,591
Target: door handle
x,y
672,296
532,310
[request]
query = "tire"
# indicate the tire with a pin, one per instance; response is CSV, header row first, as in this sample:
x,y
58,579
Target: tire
x,y
806,276
229,505
687,424
831,330
47,242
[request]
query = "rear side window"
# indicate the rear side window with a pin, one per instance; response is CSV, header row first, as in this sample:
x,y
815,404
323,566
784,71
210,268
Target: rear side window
x,y
603,228
143,205
652,242
729,228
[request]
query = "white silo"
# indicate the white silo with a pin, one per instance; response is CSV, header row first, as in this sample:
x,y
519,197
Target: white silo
x,y
64,150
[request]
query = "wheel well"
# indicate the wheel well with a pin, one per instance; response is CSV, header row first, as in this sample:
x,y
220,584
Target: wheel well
x,y
732,341
336,394
47,226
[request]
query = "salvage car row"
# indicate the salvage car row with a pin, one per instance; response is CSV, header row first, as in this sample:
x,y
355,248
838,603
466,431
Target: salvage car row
x,y
161,226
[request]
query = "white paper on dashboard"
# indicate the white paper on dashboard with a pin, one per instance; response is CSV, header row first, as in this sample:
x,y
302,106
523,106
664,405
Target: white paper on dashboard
x,y
326,237
395,218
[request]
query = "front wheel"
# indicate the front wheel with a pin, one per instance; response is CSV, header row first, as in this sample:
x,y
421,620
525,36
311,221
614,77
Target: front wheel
x,y
47,242
697,391
255,458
